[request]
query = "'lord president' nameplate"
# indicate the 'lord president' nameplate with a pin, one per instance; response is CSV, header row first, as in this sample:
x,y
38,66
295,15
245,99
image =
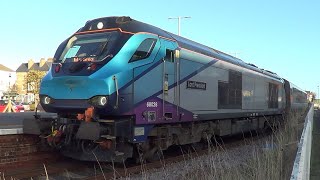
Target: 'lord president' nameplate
x,y
196,85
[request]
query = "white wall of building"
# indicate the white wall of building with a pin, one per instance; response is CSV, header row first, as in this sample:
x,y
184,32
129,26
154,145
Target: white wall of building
x,y
6,78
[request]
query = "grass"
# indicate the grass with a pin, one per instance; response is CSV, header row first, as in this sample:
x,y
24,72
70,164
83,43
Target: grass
x,y
271,158
268,159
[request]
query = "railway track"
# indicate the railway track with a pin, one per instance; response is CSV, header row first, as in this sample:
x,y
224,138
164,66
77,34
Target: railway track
x,y
66,168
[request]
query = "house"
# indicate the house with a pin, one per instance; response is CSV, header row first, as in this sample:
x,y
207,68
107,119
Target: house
x,y
23,89
7,80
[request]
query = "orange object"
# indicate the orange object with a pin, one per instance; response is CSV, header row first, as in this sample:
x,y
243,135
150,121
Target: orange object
x,y
106,144
55,137
80,117
89,113
87,116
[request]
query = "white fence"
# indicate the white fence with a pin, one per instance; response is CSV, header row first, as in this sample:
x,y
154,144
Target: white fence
x,y
301,167
11,131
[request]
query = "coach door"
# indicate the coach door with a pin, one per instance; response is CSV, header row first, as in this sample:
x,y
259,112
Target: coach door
x,y
171,89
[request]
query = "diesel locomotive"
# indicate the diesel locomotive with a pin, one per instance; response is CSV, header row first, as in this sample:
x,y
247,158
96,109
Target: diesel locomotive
x,y
120,86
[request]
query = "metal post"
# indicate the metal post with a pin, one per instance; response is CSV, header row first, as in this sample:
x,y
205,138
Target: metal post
x,y
9,82
318,96
179,20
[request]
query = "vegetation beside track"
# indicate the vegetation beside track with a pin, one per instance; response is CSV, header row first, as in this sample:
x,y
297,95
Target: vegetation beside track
x,y
266,157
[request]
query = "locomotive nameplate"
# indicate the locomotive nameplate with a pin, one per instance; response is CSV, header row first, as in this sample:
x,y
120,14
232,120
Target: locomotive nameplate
x,y
196,85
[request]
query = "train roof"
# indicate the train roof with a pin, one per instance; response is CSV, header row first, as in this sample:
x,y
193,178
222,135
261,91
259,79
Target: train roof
x,y
127,24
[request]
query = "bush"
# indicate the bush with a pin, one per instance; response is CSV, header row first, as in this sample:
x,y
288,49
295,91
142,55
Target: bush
x,y
32,107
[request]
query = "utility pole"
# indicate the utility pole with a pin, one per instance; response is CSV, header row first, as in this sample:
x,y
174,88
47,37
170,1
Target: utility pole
x,y
318,96
9,89
9,107
179,19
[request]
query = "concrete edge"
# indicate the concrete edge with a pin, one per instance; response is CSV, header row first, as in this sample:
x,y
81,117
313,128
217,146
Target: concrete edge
x,y
11,131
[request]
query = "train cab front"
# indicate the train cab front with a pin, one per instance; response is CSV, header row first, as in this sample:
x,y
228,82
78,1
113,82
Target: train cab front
x,y
90,87
78,78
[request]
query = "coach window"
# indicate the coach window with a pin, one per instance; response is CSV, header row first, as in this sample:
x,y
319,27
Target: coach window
x,y
144,50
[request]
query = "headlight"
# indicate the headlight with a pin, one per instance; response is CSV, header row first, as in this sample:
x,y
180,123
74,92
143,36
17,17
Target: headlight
x,y
46,100
102,101
99,100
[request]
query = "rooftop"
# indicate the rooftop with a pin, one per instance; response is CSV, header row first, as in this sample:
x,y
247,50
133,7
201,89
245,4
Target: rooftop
x,y
35,66
4,68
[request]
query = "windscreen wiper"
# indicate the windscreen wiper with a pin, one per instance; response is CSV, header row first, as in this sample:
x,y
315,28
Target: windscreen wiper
x,y
102,48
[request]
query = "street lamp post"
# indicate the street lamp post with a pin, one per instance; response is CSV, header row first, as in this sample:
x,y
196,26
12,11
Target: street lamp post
x,y
9,89
318,95
9,105
9,81
179,19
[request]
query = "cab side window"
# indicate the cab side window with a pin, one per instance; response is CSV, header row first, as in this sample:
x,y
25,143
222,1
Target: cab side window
x,y
144,50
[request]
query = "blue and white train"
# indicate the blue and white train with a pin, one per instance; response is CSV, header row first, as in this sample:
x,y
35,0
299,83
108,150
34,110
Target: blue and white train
x,y
120,86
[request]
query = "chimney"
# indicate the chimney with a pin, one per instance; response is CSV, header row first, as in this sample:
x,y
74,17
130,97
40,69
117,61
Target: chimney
x,y
50,60
30,63
42,62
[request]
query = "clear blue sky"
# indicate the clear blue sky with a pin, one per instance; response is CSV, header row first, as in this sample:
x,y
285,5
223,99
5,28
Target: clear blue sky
x,y
279,35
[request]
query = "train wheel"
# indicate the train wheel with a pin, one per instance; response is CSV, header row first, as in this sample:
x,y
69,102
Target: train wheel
x,y
137,156
154,154
88,146
216,140
266,128
146,153
198,146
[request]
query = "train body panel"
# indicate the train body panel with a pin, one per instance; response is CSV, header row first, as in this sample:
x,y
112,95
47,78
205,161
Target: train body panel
x,y
298,98
118,84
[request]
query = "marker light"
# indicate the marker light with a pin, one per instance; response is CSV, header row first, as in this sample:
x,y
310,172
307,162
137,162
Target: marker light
x,y
100,25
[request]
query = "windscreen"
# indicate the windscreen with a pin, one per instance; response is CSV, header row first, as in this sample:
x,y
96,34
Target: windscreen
x,y
88,47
